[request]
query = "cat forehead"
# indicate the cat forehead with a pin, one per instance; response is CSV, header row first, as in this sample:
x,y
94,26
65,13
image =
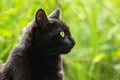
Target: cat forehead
x,y
58,23
54,20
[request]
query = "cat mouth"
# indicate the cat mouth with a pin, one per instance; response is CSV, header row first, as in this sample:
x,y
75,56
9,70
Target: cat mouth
x,y
68,49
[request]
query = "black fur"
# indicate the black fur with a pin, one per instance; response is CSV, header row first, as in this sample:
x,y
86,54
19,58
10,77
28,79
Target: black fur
x,y
38,54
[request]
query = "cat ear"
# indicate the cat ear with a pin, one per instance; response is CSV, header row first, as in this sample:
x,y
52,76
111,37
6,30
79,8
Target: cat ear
x,y
55,14
41,18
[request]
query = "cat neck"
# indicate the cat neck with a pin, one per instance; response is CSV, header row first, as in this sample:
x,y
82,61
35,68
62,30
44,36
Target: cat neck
x,y
48,66
32,55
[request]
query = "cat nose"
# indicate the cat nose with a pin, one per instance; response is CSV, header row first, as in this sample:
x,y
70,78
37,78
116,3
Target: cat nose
x,y
72,41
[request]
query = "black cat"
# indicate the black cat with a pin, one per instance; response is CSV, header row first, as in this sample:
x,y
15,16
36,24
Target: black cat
x,y
38,54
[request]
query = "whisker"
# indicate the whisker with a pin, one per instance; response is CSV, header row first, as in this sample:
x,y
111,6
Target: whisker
x,y
52,51
53,48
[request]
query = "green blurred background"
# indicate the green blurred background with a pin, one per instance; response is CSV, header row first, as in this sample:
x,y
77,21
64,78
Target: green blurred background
x,y
94,24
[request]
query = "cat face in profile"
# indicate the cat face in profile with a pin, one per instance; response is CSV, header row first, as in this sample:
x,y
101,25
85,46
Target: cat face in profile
x,y
50,34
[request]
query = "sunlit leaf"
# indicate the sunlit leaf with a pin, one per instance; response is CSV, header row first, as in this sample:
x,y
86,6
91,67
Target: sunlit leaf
x,y
98,58
6,33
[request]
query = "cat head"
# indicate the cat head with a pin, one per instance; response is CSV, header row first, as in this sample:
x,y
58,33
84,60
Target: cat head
x,y
50,34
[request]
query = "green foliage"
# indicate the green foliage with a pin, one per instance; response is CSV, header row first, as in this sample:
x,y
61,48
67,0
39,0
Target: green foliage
x,y
95,25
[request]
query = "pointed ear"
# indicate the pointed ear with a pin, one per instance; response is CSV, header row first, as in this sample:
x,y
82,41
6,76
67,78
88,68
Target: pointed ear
x,y
55,14
41,18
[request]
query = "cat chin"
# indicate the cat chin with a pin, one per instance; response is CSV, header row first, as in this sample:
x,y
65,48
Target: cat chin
x,y
66,51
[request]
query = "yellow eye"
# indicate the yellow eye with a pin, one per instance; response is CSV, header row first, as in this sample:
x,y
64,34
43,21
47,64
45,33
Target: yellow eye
x,y
62,34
